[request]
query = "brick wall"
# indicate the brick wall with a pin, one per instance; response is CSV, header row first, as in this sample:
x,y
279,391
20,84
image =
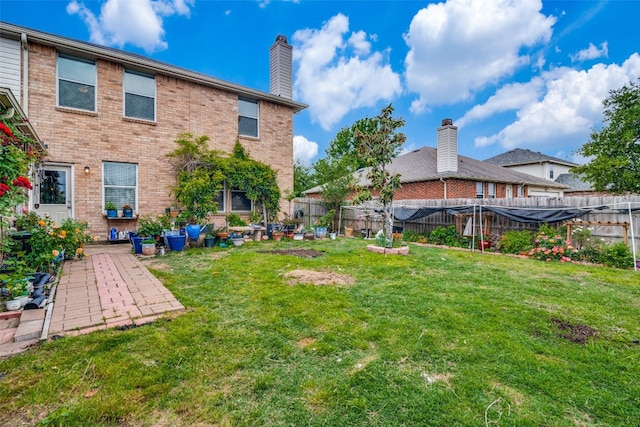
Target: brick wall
x,y
80,138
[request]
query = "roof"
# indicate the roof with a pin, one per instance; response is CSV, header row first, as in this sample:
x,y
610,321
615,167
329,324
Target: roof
x,y
421,165
574,181
521,156
139,62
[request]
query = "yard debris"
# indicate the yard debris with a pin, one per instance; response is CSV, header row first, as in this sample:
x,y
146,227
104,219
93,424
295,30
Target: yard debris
x,y
318,278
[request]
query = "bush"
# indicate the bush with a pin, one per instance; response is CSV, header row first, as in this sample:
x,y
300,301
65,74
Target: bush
x,y
617,255
447,236
513,242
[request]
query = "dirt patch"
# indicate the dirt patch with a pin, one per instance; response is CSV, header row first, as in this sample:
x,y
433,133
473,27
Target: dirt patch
x,y
303,253
305,342
318,278
579,334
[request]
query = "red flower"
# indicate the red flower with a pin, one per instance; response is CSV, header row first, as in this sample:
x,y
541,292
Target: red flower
x,y
6,130
21,181
4,188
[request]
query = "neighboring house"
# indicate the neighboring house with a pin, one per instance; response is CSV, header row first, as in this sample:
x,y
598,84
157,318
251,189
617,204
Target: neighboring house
x,y
542,166
109,117
440,173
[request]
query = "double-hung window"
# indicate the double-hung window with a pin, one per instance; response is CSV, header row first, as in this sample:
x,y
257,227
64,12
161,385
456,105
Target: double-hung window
x,y
120,182
220,200
139,96
248,113
76,83
492,190
240,202
479,190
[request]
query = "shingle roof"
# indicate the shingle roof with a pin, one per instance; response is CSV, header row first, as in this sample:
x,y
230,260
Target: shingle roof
x,y
573,181
519,156
421,165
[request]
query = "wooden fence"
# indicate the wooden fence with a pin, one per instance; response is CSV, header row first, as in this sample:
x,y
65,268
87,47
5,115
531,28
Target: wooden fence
x,y
617,212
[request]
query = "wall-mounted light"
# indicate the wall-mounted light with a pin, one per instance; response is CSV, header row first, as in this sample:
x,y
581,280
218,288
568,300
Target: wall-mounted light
x,y
87,170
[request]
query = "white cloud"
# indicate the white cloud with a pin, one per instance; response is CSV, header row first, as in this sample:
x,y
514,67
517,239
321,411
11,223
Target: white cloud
x,y
460,46
336,74
262,4
592,52
569,106
304,150
138,22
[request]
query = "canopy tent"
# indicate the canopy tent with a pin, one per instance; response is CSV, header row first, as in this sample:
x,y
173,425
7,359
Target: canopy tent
x,y
526,215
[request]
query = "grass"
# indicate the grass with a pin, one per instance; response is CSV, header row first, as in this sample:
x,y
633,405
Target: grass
x,y
440,337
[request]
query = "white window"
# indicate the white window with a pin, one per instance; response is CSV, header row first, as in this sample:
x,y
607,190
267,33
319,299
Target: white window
x,y
248,113
120,181
509,191
139,96
220,201
76,83
240,202
520,190
492,190
479,190
550,171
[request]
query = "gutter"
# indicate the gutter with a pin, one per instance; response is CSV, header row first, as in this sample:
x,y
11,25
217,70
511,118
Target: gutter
x,y
134,60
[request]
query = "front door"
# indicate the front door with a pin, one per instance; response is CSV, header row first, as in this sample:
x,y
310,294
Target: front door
x,y
53,196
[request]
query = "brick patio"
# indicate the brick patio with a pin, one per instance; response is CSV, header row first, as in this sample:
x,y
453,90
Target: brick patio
x,y
109,288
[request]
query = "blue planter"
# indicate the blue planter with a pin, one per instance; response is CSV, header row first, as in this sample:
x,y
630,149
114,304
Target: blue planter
x,y
137,243
112,213
193,231
176,243
127,213
321,232
167,233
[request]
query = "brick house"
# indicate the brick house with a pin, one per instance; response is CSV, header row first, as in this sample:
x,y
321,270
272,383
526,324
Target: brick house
x,y
543,166
109,117
441,173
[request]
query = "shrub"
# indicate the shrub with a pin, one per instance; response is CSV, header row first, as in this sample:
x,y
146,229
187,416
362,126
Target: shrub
x,y
617,255
150,226
513,242
553,247
447,236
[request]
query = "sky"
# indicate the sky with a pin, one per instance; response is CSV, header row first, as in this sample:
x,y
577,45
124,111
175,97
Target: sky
x,y
511,74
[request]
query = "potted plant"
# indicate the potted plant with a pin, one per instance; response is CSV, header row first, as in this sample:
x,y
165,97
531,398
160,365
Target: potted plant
x,y
209,240
148,246
112,210
277,235
127,211
483,242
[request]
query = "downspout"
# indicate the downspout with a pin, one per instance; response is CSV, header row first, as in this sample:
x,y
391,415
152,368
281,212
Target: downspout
x,y
25,73
444,182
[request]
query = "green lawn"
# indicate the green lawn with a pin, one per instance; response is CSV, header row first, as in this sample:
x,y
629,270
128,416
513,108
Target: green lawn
x,y
440,337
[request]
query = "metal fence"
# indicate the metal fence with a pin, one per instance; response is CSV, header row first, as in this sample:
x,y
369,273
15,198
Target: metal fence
x,y
603,223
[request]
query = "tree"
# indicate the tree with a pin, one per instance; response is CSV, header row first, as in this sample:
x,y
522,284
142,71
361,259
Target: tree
x,y
336,173
378,143
303,178
614,151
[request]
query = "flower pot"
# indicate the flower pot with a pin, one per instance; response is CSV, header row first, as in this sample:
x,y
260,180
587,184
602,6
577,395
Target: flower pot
x,y
176,243
13,305
193,231
309,235
298,236
167,233
348,232
237,241
277,235
127,213
112,213
332,236
137,243
321,232
484,244
148,248
209,242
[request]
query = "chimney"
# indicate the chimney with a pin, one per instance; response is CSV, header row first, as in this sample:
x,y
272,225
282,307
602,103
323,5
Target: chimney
x,y
447,152
280,68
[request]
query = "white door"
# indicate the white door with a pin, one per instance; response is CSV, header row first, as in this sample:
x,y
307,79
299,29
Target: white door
x,y
54,193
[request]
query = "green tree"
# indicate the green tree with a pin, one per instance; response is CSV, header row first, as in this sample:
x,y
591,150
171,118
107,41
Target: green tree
x,y
614,151
338,179
378,143
303,178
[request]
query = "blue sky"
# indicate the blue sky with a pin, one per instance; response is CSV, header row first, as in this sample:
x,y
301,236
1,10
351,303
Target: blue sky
x,y
511,74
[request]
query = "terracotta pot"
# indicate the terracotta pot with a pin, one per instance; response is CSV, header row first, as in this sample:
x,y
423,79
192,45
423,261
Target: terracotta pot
x,y
484,244
277,236
148,249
